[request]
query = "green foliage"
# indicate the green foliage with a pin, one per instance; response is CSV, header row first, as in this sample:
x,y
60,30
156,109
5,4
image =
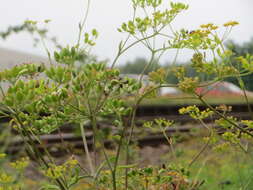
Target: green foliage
x,y
77,88
11,176
69,55
242,54
24,70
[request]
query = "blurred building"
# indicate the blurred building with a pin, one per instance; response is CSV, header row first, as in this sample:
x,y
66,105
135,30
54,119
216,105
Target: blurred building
x,y
167,91
222,89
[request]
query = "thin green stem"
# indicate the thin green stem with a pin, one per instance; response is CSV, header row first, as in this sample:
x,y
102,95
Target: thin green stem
x,y
81,26
132,125
204,147
85,144
122,45
170,143
46,48
147,66
117,157
122,51
2,91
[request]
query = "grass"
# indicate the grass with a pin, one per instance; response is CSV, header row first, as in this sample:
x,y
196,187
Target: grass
x,y
187,99
228,170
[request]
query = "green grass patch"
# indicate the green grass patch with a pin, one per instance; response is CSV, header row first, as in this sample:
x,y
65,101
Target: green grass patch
x,y
228,170
182,100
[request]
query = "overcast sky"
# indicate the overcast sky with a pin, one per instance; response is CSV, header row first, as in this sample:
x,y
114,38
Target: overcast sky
x,y
107,16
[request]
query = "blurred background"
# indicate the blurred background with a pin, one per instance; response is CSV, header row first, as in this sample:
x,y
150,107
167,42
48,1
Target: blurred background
x,y
107,16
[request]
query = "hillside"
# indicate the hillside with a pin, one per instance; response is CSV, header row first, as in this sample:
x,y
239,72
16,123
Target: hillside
x,y
10,58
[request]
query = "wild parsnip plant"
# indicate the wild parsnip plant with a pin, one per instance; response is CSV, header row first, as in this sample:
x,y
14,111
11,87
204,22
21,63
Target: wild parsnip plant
x,y
76,88
11,177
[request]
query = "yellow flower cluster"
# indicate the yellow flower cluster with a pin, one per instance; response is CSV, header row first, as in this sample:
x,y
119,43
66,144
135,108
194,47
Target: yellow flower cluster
x,y
195,113
200,65
5,178
246,62
57,171
209,26
186,110
12,187
188,84
222,147
227,70
179,72
20,164
157,76
229,136
203,33
71,163
248,123
54,171
162,122
211,140
231,23
224,108
2,155
225,123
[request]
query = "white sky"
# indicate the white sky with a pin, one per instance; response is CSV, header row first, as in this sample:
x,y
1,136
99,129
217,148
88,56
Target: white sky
x,y
107,16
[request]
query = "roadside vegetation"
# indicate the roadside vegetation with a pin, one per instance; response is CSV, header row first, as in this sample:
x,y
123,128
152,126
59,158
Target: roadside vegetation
x,y
77,88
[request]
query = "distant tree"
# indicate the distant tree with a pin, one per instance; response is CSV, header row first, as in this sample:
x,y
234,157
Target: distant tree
x,y
137,66
245,48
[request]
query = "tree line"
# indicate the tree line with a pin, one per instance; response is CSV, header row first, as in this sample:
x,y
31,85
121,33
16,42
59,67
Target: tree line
x,y
136,66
